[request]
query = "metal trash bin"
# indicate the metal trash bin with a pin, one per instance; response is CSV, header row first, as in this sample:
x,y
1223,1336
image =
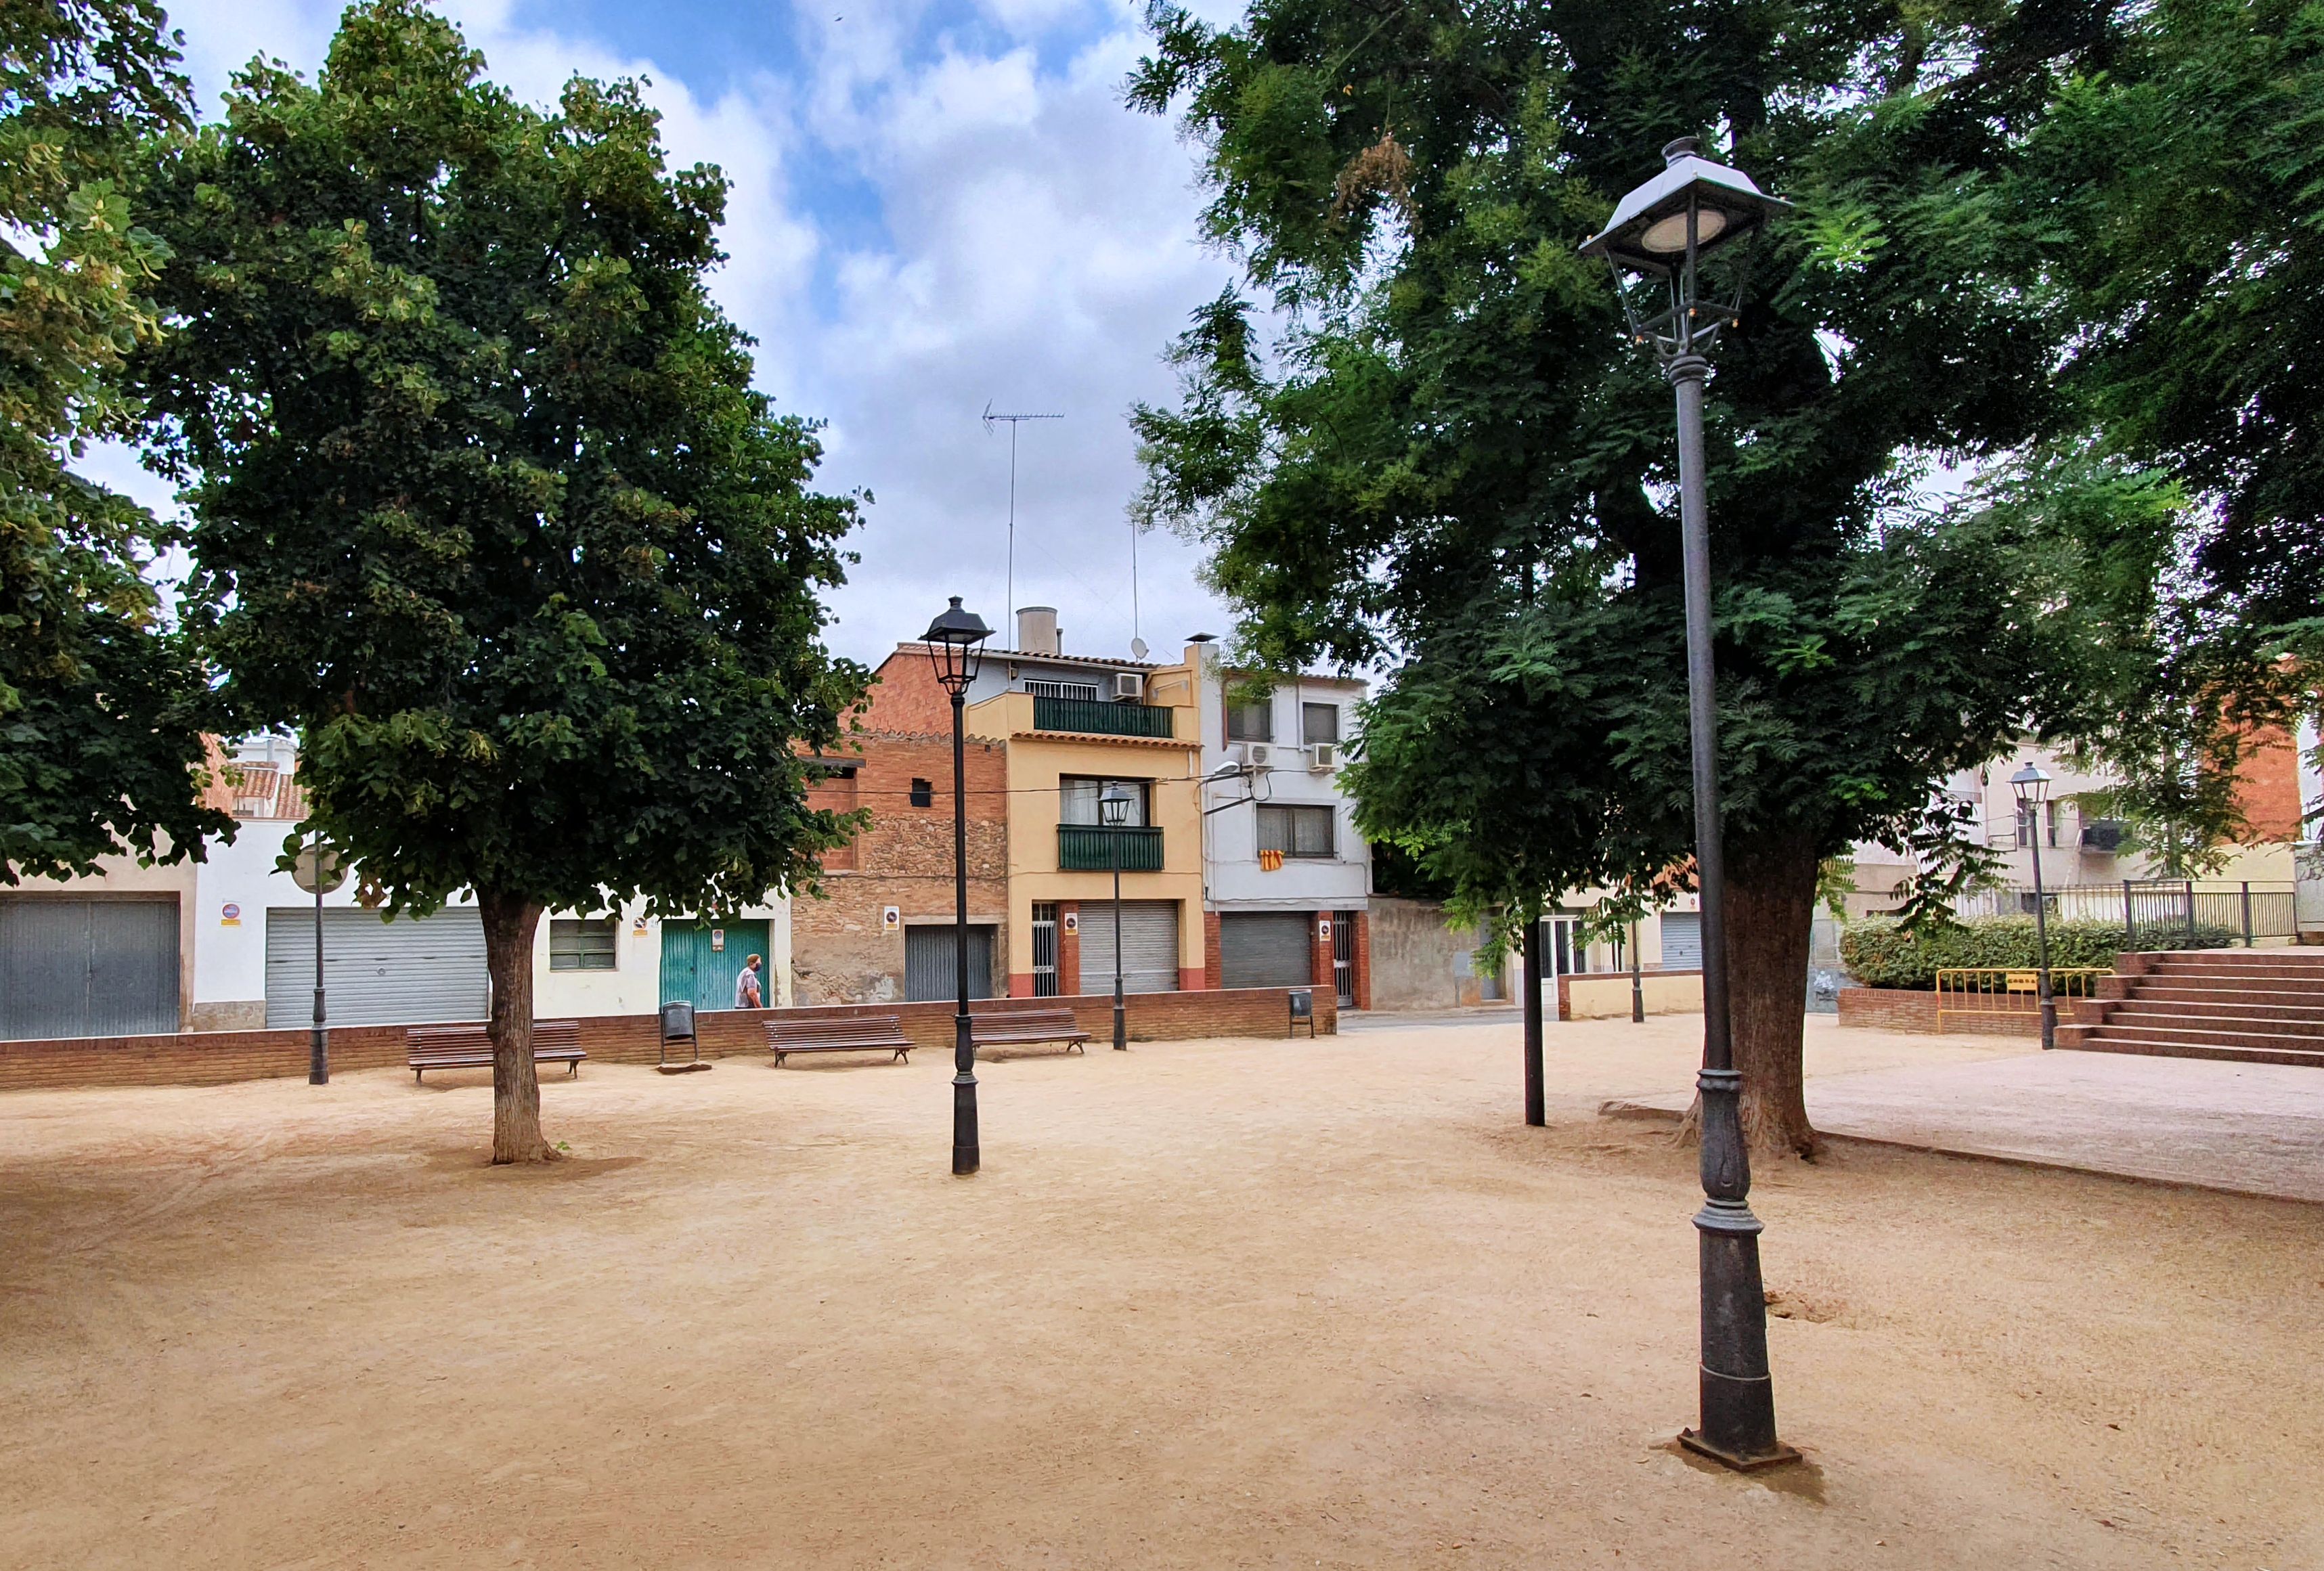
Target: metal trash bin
x,y
677,1026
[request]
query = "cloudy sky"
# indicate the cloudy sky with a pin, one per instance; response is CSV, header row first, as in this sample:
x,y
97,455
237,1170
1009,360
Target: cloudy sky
x,y
936,207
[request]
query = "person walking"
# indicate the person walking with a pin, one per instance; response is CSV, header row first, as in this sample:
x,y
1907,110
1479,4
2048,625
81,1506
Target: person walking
x,y
748,994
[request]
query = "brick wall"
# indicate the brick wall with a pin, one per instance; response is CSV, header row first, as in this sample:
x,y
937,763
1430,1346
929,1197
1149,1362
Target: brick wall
x,y
1069,948
904,859
907,698
215,1058
2267,786
1214,966
1363,966
1904,1009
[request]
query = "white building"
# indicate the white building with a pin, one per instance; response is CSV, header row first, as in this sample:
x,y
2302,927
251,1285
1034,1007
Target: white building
x,y
228,944
1284,872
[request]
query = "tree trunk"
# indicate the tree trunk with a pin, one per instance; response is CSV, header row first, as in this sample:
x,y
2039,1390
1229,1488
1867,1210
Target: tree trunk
x,y
510,923
1770,908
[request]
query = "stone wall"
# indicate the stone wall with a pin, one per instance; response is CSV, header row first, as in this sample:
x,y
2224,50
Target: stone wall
x,y
215,1058
1415,960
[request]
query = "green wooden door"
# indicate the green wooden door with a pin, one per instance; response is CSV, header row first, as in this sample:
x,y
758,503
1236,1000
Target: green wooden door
x,y
701,959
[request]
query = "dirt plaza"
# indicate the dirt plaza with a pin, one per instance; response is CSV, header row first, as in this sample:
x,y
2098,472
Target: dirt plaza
x,y
1210,1304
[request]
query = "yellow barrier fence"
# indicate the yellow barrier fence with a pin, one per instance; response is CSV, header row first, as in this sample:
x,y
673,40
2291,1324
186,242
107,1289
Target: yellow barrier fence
x,y
1988,990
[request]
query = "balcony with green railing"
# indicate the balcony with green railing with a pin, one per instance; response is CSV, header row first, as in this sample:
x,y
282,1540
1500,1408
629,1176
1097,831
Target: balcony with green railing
x,y
1089,847
1096,716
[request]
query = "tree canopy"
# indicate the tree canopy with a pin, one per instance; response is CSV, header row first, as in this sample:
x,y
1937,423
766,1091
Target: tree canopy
x,y
484,502
102,706
1449,458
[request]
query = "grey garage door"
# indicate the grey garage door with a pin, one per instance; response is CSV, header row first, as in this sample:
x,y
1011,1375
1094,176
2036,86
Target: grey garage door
x,y
1681,941
87,968
932,963
1149,946
376,972
1273,949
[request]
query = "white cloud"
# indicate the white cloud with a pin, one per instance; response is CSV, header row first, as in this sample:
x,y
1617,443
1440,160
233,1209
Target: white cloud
x,y
1033,246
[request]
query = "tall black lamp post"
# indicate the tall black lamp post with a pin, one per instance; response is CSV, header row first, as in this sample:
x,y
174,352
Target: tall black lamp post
x,y
317,870
2033,788
1113,809
1662,233
955,642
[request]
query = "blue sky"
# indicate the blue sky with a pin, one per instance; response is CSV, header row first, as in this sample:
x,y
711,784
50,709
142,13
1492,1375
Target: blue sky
x,y
936,207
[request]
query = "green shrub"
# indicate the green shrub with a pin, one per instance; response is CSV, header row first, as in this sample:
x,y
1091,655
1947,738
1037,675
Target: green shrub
x,y
1880,953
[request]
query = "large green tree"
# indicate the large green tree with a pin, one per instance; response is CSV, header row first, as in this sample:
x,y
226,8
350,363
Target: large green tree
x,y
485,504
1448,458
2173,197
102,704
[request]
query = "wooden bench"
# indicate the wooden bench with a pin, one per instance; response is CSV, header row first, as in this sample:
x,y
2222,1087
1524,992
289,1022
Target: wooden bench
x,y
1028,1025
862,1034
470,1047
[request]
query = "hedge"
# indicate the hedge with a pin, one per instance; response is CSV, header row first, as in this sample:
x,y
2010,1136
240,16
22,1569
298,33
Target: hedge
x,y
1880,953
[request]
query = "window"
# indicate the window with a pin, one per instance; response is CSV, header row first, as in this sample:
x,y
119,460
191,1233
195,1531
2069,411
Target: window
x,y
1085,691
923,794
580,943
1251,717
1319,723
1077,800
1296,831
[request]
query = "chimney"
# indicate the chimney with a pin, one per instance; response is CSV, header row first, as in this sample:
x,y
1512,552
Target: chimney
x,y
1037,629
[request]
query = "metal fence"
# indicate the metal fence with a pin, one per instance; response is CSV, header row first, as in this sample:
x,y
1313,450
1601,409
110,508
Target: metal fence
x,y
2155,910
1988,990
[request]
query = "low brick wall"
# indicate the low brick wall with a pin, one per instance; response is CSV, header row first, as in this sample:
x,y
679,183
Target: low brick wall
x,y
1908,1009
205,1058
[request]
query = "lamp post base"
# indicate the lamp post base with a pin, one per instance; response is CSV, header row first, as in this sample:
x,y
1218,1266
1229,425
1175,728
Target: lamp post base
x,y
964,1151
1741,1463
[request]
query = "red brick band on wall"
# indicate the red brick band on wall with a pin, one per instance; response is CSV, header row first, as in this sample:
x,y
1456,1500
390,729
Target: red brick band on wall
x,y
215,1057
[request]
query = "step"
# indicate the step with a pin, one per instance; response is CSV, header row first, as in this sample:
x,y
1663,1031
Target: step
x,y
2277,981
2215,1033
2235,1016
2270,999
2166,1049
2257,961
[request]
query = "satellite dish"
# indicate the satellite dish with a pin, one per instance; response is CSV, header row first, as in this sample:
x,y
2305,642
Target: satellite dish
x,y
1137,648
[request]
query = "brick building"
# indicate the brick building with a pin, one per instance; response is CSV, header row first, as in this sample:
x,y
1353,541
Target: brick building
x,y
883,929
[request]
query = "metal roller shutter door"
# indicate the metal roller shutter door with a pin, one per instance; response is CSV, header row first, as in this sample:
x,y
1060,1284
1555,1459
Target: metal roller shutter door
x,y
87,968
1272,949
376,972
1681,941
1149,946
932,963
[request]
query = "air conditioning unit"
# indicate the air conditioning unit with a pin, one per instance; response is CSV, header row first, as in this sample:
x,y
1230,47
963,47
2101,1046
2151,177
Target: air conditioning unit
x,y
1322,756
1259,754
1129,685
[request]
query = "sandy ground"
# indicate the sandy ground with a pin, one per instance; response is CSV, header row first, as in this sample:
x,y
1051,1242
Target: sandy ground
x,y
2252,1128
1210,1304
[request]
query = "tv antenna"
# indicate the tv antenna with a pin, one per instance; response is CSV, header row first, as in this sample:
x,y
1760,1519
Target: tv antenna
x,y
1012,421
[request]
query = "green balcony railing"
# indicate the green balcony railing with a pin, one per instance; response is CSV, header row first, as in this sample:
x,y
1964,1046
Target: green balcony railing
x,y
1091,714
1088,848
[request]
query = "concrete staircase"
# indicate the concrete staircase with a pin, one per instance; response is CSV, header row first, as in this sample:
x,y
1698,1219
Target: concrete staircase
x,y
2253,1005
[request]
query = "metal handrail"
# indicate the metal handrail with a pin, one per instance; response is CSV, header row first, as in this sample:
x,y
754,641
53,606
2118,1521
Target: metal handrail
x,y
2009,990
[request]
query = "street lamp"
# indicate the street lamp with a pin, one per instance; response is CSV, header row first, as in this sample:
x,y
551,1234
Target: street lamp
x,y
1113,810
317,870
2033,788
1663,231
955,642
